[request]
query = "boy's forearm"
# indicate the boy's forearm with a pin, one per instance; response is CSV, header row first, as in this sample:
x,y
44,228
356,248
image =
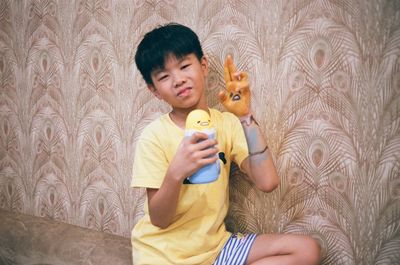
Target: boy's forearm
x,y
163,202
259,164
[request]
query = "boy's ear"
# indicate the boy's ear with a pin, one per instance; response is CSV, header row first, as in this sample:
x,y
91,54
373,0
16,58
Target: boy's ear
x,y
154,91
204,65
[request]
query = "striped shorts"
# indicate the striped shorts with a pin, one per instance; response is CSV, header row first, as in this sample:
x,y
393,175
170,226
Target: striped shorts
x,y
236,250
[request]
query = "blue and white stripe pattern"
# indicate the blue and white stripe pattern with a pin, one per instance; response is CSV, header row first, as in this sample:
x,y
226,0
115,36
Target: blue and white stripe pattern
x,y
236,250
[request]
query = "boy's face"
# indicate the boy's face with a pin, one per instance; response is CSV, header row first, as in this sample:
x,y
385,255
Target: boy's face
x,y
181,82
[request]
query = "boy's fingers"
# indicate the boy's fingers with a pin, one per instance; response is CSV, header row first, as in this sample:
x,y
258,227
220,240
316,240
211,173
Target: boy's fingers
x,y
202,140
241,85
240,76
197,136
222,96
207,144
229,68
246,89
232,86
209,154
244,76
227,75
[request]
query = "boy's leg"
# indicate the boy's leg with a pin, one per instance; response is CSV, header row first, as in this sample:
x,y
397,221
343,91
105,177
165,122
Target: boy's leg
x,y
284,249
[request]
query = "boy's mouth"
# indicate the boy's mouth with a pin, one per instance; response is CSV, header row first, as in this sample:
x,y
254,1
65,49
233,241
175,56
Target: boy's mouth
x,y
184,91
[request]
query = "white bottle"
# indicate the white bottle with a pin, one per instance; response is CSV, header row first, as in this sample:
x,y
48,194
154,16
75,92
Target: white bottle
x,y
199,121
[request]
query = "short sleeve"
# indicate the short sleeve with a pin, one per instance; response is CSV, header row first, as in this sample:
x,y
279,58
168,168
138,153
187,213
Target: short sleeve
x,y
150,164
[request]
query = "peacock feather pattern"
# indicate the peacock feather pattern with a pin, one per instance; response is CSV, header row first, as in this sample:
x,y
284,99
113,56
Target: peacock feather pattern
x,y
325,83
13,194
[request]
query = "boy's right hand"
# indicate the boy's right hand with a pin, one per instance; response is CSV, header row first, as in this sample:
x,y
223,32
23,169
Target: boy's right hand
x,y
193,153
236,96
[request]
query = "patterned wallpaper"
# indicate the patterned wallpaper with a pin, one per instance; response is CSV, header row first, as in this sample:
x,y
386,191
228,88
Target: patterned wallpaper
x,y
325,78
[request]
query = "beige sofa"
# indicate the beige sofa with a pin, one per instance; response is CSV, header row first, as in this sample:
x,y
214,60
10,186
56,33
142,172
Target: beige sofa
x,y
30,240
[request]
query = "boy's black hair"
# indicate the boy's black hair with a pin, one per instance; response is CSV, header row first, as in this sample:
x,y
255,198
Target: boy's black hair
x,y
168,40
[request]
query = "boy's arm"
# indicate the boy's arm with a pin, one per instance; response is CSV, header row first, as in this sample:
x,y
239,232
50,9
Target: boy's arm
x,y
258,165
163,202
191,155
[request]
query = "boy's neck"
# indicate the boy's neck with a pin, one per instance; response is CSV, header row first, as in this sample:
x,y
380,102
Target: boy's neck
x,y
179,116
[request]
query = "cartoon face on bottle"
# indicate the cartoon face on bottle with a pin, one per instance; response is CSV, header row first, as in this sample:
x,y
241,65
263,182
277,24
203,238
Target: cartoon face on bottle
x,y
198,120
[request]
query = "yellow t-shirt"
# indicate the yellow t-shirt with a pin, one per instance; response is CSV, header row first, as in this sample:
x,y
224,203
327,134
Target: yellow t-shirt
x,y
197,233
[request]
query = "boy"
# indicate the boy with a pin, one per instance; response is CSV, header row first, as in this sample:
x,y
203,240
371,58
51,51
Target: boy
x,y
183,222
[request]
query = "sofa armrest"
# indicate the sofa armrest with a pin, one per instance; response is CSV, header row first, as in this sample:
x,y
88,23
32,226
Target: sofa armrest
x,y
29,239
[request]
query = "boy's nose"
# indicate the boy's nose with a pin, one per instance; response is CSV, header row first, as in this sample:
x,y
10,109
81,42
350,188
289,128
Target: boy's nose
x,y
179,80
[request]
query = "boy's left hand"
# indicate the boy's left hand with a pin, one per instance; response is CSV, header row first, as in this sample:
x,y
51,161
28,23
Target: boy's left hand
x,y
236,97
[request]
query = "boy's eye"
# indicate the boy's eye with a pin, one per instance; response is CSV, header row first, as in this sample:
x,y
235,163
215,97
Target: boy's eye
x,y
185,66
162,77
